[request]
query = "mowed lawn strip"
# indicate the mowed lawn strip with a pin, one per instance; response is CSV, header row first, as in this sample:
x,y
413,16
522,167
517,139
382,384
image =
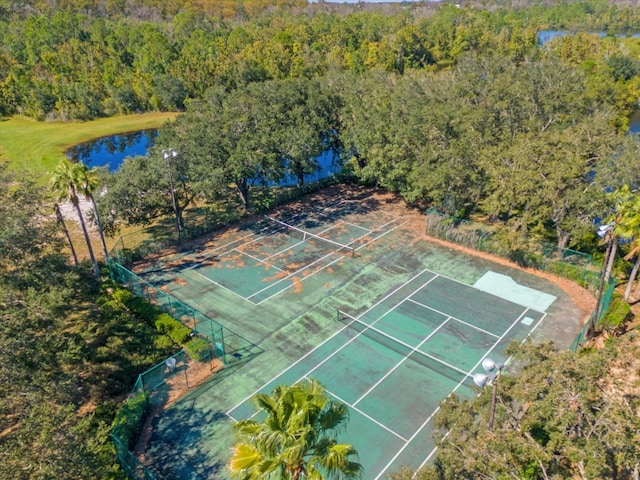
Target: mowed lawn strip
x,y
36,147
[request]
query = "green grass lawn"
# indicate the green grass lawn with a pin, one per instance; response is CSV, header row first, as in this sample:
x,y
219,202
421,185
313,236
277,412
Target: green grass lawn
x,y
37,147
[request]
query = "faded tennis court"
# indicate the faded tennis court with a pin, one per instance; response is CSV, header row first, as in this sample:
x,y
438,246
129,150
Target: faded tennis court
x,y
393,363
347,290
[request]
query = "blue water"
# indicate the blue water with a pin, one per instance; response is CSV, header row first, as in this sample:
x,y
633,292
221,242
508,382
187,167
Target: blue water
x,y
111,151
545,36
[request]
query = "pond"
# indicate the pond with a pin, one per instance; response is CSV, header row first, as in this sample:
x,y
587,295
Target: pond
x,y
545,36
634,122
111,151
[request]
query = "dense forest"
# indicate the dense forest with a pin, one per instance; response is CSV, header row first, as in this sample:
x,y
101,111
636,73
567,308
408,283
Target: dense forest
x,y
457,107
84,61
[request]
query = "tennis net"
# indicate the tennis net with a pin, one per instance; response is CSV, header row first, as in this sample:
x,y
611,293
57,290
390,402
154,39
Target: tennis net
x,y
411,353
312,238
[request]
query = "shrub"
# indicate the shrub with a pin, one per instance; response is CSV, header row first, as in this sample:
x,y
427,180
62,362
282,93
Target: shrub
x,y
163,342
129,418
142,308
122,296
165,323
616,314
197,349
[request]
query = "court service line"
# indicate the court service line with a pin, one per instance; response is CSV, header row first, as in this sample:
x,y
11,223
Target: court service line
x,y
435,359
406,357
240,242
380,236
342,222
456,319
256,258
301,280
468,374
295,364
393,292
293,273
392,309
222,286
379,227
281,252
363,413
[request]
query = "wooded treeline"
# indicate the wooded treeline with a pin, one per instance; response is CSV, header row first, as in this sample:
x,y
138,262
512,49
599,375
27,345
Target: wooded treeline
x,y
68,60
531,145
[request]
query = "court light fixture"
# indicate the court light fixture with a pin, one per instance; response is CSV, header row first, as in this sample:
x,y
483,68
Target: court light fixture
x,y
168,155
493,370
604,232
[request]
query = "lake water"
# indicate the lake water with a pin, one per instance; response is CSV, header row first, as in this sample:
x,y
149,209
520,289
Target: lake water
x,y
111,151
634,123
546,35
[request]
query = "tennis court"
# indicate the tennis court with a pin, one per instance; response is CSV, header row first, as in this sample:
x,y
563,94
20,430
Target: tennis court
x,y
347,291
277,254
393,363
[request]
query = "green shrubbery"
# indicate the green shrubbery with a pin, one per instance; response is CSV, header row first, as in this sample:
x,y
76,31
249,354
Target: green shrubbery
x,y
617,313
168,325
197,349
127,424
179,334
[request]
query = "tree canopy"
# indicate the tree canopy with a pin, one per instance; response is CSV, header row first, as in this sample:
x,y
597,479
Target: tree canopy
x,y
562,416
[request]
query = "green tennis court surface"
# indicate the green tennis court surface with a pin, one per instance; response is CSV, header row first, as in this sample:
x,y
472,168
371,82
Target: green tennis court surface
x,y
416,321
393,363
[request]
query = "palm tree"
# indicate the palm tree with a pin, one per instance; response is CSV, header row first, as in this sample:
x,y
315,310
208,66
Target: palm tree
x,y
65,181
60,219
628,227
88,183
296,439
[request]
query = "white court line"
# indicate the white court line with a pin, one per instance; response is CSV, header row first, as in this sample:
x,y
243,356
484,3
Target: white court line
x,y
380,227
320,345
469,374
301,280
447,315
406,357
380,236
393,309
222,286
291,366
435,359
394,292
456,319
281,252
363,414
238,241
293,273
257,259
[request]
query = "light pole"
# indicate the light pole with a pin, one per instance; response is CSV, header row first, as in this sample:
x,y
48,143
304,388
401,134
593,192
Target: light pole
x,y
168,155
493,370
603,232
